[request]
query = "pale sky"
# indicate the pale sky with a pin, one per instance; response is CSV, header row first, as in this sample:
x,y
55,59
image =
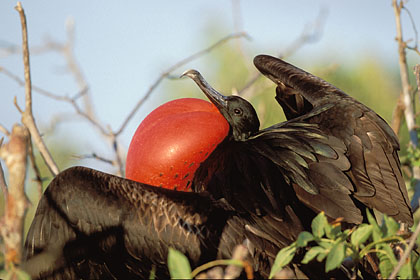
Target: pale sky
x,y
123,47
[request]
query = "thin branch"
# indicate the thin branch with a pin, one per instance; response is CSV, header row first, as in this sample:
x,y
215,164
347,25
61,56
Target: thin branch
x,y
95,156
413,24
27,116
4,130
171,69
38,89
407,98
312,32
74,67
3,184
407,252
71,100
14,154
397,115
38,178
118,159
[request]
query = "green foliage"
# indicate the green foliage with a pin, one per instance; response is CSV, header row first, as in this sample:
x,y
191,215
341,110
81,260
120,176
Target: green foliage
x,y
330,243
178,265
14,274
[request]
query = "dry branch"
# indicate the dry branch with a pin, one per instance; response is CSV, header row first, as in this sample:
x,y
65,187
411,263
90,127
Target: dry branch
x,y
27,116
407,252
397,115
14,153
168,71
3,184
311,33
409,113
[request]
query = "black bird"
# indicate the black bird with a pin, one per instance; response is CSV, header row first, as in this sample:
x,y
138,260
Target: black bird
x,y
333,154
92,225
265,186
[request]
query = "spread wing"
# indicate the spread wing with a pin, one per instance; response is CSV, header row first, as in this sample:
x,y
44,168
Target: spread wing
x,y
355,132
93,225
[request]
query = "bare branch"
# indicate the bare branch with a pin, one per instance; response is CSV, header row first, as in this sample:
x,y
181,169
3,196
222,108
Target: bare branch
x,y
14,154
3,184
409,112
38,178
413,24
240,253
4,130
397,115
95,156
27,116
312,32
173,68
417,73
35,88
407,252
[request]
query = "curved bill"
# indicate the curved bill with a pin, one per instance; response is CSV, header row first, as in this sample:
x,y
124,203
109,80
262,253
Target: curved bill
x,y
218,99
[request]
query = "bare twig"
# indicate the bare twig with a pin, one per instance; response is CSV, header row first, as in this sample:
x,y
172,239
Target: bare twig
x,y
14,154
40,90
95,156
86,111
4,130
397,115
173,68
38,178
3,184
312,32
232,271
409,110
413,24
407,252
407,98
27,116
417,73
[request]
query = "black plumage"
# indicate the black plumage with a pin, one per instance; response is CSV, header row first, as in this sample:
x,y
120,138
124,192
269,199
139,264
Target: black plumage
x,y
92,225
333,154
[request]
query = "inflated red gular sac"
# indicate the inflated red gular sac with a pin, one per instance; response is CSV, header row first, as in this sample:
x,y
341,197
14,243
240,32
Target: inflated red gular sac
x,y
172,141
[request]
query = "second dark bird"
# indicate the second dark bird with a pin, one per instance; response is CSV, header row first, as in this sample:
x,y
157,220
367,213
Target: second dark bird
x,y
333,154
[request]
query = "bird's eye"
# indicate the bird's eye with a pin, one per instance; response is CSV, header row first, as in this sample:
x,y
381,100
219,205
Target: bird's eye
x,y
237,111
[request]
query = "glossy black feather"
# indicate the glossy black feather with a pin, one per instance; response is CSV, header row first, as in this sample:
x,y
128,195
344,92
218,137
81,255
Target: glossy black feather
x,y
91,225
370,145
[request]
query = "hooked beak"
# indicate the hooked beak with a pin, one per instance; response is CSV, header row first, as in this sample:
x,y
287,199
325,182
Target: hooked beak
x,y
218,99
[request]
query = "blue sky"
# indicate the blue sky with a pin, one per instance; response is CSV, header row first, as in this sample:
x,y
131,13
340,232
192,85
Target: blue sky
x,y
123,46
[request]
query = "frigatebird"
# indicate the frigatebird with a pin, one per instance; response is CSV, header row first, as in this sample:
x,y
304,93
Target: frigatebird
x,y
264,186
333,154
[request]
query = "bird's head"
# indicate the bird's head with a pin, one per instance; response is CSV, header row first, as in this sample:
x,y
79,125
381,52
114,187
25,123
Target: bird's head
x,y
238,112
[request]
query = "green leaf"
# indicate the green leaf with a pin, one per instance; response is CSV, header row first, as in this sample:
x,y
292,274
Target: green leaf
x,y
333,231
303,239
385,266
335,257
312,253
321,256
14,274
325,244
361,234
22,275
386,261
178,265
406,271
283,258
376,232
391,226
318,225
417,267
